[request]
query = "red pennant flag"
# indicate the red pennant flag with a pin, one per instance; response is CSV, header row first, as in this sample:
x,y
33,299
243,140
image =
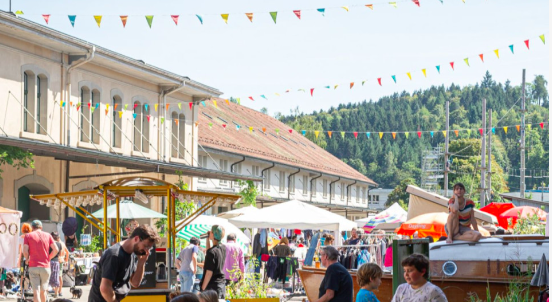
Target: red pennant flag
x,y
89,105
251,98
481,131
379,81
148,117
541,125
355,134
452,65
78,106
46,18
249,16
370,6
417,2
481,56
175,19
419,134
135,105
290,131
191,105
526,43
124,20
312,90
224,126
297,13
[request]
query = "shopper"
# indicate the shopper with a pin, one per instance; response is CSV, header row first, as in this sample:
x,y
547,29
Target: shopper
x,y
282,249
186,263
122,265
369,279
417,288
39,248
234,267
337,285
55,275
25,229
213,270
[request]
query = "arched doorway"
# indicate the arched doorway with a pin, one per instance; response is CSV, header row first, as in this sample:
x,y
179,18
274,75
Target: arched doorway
x,y
31,209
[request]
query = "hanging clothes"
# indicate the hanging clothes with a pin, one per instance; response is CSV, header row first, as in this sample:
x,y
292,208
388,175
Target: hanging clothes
x,y
312,249
263,237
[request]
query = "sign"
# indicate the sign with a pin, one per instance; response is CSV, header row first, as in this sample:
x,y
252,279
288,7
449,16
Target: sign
x,y
149,271
85,239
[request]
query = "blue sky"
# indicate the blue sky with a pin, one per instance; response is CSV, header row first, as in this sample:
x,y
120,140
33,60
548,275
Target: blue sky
x,y
251,59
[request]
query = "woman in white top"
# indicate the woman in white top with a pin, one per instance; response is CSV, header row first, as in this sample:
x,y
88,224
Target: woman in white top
x,y
417,288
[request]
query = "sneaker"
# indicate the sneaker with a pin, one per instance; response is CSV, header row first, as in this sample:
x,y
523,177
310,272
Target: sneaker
x,y
60,294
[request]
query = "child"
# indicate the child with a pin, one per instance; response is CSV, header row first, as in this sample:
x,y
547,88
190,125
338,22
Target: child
x,y
369,279
208,296
417,288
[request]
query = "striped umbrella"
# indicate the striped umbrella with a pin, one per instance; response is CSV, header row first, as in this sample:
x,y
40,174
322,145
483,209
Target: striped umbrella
x,y
203,223
393,214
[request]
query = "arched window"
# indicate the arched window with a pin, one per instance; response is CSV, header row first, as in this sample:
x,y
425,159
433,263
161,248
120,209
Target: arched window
x,y
137,138
145,128
35,100
178,135
90,112
86,109
95,116
174,136
25,100
181,141
141,124
117,103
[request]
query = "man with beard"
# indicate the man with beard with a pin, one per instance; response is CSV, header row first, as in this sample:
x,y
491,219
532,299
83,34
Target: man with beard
x,y
122,265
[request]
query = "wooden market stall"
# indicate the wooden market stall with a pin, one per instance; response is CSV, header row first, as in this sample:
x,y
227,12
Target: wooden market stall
x,y
141,188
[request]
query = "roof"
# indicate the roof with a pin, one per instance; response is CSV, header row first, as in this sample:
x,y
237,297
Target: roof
x,y
291,149
540,197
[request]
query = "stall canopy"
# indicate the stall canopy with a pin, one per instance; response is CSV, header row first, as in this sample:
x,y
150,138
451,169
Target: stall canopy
x,y
128,210
294,214
203,223
238,212
497,208
394,214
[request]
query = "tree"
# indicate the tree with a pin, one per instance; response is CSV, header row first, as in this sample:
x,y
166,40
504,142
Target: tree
x,y
264,110
249,193
15,157
399,194
540,93
182,208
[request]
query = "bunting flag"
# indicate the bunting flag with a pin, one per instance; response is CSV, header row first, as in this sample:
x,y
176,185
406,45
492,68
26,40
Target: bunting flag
x,y
512,48
238,127
363,83
179,106
106,106
250,129
367,134
467,62
496,53
175,19
176,122
277,131
481,131
155,106
444,133
225,17
406,134
239,102
149,117
196,123
321,10
424,71
297,13
146,106
431,133
290,131
409,75
526,43
330,134
273,15
379,81
120,114
542,39
394,79
115,107
134,115
312,91
98,20
335,87
78,106
126,106
97,105
493,130
251,98
327,87
215,103
62,104
124,20
200,18
419,134
351,85
227,101
370,6
190,104
452,65
46,18
456,133
149,18
166,107
345,8
394,4
342,134
264,130
135,105
224,126
89,105
249,16
541,125
394,134
438,68
316,133
381,135
92,109
19,12
517,128
72,19
303,132
210,125
355,134
417,2
203,103
481,56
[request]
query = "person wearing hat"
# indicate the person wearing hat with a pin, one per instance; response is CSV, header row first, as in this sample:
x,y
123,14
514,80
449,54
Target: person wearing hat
x,y
39,248
213,269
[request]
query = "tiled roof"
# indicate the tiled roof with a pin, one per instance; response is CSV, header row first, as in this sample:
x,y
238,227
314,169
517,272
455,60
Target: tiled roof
x,y
284,148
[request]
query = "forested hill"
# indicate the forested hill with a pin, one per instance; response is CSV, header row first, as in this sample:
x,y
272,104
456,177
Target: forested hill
x,y
388,161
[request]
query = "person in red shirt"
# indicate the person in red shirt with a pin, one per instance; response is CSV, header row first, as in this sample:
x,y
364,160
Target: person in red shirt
x,y
39,248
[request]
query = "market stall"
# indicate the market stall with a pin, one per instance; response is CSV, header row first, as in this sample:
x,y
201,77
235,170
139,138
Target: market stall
x,y
143,189
9,237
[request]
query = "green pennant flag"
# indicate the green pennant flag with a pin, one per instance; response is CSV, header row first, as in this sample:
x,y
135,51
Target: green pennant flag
x,y
469,132
277,131
162,120
149,19
274,14
406,134
542,39
126,106
238,99
342,134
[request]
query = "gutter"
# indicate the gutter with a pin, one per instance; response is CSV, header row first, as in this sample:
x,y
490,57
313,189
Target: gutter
x,y
349,195
162,99
317,177
289,178
232,165
89,57
331,183
262,173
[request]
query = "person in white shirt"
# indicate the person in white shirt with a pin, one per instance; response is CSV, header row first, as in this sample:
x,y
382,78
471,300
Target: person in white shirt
x,y
417,288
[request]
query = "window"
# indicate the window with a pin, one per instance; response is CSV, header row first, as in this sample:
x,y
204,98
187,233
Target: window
x,y
282,182
177,135
343,188
223,164
266,180
324,188
292,184
35,101
116,127
357,194
370,198
90,115
237,170
202,162
377,197
332,190
255,170
364,195
305,184
141,124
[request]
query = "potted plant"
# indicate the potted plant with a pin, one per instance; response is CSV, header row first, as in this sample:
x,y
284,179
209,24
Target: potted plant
x,y
249,288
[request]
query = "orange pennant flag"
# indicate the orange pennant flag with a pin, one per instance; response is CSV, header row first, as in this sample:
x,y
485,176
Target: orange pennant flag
x,y
517,128
176,122
394,134
330,134
115,107
481,56
227,102
124,20
249,16
456,133
167,107
264,129
351,85
370,6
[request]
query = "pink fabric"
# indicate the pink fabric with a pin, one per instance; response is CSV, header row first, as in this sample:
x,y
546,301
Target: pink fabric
x,y
234,260
388,257
39,248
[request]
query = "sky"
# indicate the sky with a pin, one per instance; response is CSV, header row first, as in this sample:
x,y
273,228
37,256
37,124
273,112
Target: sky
x,y
244,58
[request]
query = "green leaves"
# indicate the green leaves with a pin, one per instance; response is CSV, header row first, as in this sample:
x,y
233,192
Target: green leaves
x,y
15,157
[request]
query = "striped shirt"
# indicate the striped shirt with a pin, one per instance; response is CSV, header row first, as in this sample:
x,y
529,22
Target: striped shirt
x,y
464,214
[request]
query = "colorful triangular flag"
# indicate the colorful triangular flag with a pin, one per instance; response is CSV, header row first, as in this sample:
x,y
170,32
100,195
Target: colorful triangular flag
x,y
379,81
249,16
330,134
380,134
200,18
303,132
367,134
481,56
321,10
274,15
406,134
481,131
394,79
452,65
517,128
419,134
312,91
424,71
134,115
417,2
124,20
512,48
297,13
355,134
526,43
542,39
149,18
409,75
72,19
467,62
370,6
394,134
541,124
342,134
444,133
175,19
316,133
438,68
46,18
120,114
456,133
351,85
225,17
431,133
98,20
496,53
345,8
394,4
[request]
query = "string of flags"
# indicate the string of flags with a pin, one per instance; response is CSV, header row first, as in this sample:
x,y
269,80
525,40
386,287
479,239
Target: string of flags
x,y
249,15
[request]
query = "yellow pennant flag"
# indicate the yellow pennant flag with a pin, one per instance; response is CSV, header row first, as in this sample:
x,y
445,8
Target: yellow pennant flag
x,y
277,94
406,134
250,129
394,4
215,103
381,135
156,105
424,71
542,39
528,127
464,1
444,133
98,20
517,128
335,87
330,134
409,75
467,62
505,129
106,106
345,8
225,17
456,133
120,114
316,133
496,52
394,134
179,106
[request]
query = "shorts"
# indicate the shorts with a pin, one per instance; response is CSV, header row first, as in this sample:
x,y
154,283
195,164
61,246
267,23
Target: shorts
x,y
40,276
461,230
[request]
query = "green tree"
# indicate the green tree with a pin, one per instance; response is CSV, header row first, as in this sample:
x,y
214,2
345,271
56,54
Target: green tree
x,y
182,208
15,157
249,193
399,194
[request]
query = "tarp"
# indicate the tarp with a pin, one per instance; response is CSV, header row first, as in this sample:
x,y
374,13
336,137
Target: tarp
x,y
394,214
128,210
238,212
497,208
294,214
430,224
203,223
9,237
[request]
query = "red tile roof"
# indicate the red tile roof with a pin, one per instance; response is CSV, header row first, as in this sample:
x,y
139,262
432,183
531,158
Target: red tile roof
x,y
285,148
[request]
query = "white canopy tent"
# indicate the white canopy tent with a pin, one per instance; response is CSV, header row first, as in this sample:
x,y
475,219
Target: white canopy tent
x,y
238,212
295,214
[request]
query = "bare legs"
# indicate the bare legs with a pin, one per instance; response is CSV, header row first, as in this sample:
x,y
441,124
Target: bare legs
x,y
452,226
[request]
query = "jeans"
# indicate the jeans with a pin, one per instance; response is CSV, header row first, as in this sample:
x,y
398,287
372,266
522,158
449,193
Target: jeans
x,y
186,281
196,287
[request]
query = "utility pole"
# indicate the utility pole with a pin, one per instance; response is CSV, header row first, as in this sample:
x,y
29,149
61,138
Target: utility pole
x,y
445,185
489,173
522,147
483,143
